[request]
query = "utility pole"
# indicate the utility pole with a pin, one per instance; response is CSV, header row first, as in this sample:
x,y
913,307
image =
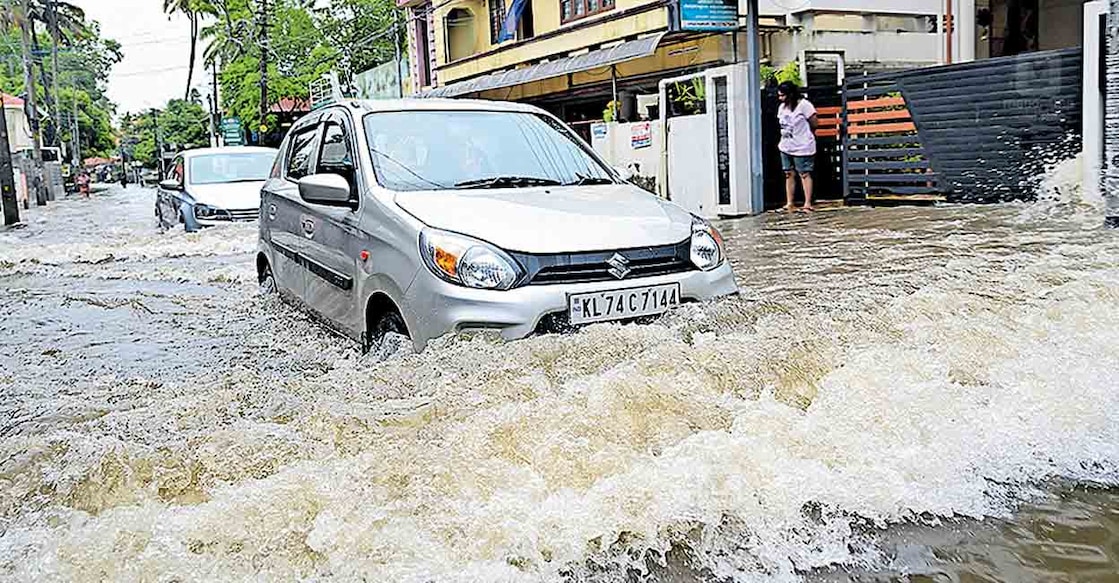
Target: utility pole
x,y
754,109
75,137
37,185
263,69
215,122
7,179
52,9
1111,121
396,53
158,143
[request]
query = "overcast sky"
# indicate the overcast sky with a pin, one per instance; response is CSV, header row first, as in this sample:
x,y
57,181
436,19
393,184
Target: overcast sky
x,y
156,48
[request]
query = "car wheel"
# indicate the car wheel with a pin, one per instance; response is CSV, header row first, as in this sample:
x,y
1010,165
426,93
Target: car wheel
x,y
267,281
387,337
388,323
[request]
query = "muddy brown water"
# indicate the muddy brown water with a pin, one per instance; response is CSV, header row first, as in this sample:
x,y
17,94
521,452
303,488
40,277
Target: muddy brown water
x,y
899,394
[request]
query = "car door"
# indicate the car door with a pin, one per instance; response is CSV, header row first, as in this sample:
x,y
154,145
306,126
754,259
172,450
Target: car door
x,y
282,210
168,201
332,232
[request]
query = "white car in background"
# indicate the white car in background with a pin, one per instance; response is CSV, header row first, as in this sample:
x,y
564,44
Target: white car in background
x,y
209,186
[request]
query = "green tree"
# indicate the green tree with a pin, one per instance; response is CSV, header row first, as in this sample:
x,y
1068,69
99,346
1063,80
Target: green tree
x,y
182,125
85,60
306,39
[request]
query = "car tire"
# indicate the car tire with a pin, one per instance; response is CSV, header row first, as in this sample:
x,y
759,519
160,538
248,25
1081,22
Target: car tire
x,y
267,281
389,323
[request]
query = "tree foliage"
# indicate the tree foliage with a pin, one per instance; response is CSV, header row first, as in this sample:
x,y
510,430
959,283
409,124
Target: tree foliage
x,y
84,61
305,40
182,125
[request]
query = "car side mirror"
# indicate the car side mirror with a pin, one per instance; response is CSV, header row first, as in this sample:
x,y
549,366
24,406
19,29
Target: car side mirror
x,y
326,189
171,184
624,172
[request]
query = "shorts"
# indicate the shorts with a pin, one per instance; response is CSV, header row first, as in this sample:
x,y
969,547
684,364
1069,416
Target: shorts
x,y
802,164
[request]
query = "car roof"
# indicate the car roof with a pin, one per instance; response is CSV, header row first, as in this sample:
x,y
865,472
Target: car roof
x,y
442,105
361,106
226,150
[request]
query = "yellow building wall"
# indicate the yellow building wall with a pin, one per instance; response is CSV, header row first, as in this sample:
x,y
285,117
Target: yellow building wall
x,y
546,18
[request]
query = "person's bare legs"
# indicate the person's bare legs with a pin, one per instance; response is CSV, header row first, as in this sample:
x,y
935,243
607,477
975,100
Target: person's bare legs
x,y
790,190
806,181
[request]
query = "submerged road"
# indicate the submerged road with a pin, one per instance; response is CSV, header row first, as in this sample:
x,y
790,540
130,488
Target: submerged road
x,y
928,393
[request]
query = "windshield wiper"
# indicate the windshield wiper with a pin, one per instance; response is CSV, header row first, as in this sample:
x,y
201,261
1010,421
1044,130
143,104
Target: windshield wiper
x,y
589,181
507,182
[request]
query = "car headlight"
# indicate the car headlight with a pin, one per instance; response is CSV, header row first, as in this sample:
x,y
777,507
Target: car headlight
x,y
707,246
203,211
466,261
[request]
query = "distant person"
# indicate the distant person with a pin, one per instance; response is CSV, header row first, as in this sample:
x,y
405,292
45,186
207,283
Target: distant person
x,y
798,143
82,180
124,179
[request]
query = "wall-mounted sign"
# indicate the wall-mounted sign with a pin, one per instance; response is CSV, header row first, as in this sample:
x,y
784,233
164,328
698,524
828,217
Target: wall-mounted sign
x,y
641,136
708,14
598,131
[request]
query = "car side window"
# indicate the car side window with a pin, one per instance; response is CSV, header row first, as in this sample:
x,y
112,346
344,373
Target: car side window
x,y
299,156
335,154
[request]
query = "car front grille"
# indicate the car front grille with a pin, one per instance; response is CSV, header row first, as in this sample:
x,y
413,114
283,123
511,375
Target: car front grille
x,y
550,269
243,214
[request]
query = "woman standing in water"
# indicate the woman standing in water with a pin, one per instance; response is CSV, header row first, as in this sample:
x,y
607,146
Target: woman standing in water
x,y
798,142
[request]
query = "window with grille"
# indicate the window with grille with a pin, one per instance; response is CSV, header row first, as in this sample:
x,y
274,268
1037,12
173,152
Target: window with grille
x,y
576,9
497,19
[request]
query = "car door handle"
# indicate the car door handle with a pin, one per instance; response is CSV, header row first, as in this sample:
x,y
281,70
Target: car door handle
x,y
308,225
271,212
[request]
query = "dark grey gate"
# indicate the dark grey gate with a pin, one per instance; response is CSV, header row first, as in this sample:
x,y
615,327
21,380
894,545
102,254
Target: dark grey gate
x,y
985,130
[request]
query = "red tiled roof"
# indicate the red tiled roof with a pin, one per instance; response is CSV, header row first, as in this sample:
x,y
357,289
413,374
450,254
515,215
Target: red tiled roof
x,y
12,100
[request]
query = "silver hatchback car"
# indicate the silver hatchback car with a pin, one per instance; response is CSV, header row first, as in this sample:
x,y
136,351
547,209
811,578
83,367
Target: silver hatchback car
x,y
425,217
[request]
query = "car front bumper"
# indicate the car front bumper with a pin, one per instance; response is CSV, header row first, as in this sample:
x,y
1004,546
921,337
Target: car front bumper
x,y
438,307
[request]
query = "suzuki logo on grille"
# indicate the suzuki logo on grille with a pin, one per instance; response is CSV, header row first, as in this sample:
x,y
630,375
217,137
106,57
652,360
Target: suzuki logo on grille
x,y
619,266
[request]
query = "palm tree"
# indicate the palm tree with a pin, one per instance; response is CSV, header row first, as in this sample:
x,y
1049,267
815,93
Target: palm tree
x,y
65,21
193,10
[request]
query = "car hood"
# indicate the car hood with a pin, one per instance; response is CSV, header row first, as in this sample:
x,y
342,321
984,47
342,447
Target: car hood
x,y
555,219
229,195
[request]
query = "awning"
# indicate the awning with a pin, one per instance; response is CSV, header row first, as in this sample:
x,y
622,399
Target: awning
x,y
627,51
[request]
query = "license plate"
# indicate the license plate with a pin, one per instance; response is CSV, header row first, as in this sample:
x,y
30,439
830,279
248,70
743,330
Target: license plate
x,y
622,303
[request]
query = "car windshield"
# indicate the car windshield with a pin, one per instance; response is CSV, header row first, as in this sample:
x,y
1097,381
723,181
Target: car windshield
x,y
219,168
435,150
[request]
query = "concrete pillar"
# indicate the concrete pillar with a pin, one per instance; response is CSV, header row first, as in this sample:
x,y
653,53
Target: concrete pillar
x,y
1111,133
965,30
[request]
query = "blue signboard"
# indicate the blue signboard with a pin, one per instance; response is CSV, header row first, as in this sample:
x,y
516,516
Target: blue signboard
x,y
231,131
712,15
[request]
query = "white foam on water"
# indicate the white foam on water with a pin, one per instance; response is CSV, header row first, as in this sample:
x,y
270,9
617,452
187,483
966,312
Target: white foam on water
x,y
525,461
124,244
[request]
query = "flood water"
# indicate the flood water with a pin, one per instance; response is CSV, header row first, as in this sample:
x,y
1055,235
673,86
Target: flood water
x,y
917,394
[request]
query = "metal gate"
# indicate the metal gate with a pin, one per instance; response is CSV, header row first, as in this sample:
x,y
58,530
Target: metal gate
x,y
983,131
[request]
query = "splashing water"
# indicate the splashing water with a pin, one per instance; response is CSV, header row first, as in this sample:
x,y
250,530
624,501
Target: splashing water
x,y
885,369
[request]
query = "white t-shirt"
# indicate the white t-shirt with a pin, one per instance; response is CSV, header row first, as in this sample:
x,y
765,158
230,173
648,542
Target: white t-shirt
x,y
797,138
